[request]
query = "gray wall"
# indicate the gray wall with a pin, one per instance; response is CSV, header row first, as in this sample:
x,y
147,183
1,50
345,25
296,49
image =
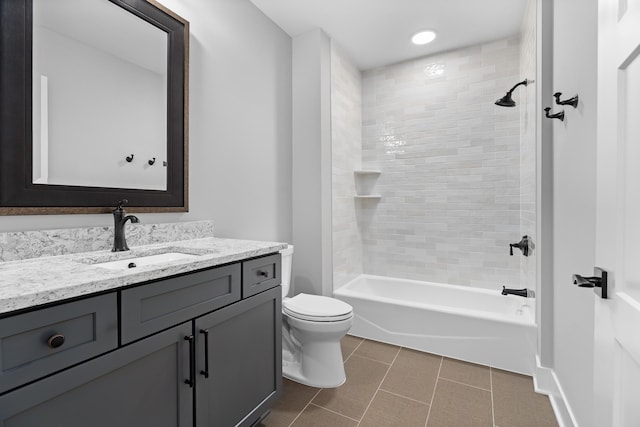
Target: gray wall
x,y
240,126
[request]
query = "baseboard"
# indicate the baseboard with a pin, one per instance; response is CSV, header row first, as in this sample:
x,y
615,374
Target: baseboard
x,y
546,382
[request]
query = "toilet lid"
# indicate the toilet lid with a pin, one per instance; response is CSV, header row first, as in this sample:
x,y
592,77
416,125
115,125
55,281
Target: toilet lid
x,y
316,307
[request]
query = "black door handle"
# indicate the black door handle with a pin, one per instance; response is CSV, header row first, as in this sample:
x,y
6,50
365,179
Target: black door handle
x,y
599,281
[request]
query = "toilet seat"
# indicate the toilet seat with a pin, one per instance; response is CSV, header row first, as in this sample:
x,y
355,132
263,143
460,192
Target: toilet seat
x,y
317,308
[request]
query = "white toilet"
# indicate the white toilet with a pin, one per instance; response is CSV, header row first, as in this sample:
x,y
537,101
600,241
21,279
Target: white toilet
x,y
312,327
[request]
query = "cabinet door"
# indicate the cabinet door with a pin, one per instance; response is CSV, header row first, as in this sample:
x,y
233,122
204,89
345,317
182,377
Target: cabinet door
x,y
239,353
139,385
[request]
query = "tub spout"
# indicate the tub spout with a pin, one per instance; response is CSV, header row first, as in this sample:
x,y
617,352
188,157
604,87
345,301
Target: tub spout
x,y
525,293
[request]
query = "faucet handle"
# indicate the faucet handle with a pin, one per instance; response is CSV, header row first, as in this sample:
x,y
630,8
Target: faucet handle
x,y
121,203
524,244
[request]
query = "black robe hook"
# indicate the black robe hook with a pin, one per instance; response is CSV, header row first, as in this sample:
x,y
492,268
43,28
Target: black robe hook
x,y
559,116
571,101
152,161
129,158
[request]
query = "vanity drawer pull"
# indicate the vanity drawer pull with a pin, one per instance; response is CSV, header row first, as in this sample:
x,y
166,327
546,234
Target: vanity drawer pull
x,y
42,341
56,340
260,274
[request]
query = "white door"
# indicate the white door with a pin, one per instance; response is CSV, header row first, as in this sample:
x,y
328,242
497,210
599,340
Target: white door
x,y
617,319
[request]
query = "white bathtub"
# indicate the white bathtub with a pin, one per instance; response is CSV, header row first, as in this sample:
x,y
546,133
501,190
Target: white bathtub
x,y
476,325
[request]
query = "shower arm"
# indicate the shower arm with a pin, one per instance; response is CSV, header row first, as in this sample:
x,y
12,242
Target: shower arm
x,y
524,82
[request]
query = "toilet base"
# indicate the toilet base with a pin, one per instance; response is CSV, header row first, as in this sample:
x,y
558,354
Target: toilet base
x,y
311,352
292,370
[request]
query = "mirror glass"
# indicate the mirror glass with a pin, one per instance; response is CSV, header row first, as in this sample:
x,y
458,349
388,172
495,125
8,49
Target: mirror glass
x,y
99,100
94,106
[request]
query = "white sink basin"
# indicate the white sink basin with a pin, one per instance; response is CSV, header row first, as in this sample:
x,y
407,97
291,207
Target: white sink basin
x,y
144,261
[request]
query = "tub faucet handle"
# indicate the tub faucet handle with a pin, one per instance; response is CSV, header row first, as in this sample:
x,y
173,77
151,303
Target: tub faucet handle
x,y
524,245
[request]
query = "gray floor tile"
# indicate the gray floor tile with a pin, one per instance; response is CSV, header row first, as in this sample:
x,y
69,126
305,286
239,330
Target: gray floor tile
x,y
390,410
460,405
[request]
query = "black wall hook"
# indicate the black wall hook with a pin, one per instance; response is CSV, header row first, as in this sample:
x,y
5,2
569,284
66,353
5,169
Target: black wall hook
x,y
129,158
559,116
152,161
571,101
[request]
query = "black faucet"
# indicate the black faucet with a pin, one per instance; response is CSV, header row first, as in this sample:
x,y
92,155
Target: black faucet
x,y
119,220
525,293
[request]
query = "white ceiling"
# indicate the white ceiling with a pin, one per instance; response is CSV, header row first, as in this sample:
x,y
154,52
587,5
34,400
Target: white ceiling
x,y
377,32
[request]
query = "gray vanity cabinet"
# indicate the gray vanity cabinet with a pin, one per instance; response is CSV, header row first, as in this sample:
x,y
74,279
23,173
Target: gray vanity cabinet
x,y
138,385
201,349
239,361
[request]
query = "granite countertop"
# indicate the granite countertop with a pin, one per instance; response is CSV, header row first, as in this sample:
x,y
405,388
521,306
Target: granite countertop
x,y
31,282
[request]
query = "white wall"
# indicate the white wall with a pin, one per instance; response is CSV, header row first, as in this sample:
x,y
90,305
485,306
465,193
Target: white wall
x,y
574,194
240,126
312,265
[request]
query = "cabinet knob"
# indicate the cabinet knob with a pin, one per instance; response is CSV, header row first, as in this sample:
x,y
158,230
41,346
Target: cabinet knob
x,y
263,273
55,340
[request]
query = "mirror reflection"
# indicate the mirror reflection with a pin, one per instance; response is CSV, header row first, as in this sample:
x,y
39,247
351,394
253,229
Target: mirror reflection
x,y
99,99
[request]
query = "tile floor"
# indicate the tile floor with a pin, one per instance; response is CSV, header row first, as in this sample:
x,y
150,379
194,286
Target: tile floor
x,y
389,385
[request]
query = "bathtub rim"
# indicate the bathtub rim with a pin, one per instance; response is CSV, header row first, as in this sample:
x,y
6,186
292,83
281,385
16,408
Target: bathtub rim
x,y
526,320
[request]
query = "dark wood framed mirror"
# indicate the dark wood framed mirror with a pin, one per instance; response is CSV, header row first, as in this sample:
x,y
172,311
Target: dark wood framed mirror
x,y
20,192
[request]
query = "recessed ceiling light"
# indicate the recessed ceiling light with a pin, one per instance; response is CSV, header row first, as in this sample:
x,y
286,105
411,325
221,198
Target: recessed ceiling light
x,y
423,37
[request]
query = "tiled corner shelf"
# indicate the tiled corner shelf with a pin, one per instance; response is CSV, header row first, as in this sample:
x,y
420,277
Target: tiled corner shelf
x,y
366,172
365,179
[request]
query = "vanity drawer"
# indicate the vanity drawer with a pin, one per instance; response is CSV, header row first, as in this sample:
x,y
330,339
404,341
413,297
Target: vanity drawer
x,y
155,306
260,274
40,342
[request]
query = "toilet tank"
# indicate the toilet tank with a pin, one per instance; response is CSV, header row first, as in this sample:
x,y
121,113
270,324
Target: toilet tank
x,y
287,255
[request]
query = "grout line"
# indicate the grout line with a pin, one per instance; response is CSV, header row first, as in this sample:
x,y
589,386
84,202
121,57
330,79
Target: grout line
x,y
305,407
373,360
334,412
493,413
433,395
379,385
468,385
354,350
404,397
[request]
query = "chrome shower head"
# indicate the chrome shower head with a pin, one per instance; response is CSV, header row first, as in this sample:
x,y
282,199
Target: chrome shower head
x,y
507,101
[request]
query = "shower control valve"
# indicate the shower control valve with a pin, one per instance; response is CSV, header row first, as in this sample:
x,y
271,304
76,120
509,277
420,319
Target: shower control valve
x,y
525,244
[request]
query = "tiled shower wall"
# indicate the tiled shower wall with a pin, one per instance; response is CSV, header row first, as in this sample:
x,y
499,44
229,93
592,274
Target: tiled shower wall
x,y
528,57
346,152
450,162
